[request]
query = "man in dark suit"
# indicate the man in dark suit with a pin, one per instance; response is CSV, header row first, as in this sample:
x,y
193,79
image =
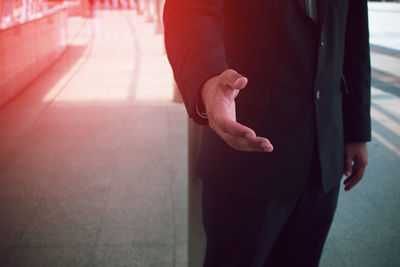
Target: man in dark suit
x,y
282,88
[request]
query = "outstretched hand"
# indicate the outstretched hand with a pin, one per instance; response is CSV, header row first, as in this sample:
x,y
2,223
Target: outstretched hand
x,y
218,94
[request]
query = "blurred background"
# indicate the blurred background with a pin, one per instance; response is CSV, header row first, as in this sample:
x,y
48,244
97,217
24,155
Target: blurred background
x,y
93,141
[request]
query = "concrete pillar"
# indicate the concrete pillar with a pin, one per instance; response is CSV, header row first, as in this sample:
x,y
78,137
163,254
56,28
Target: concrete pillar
x,y
197,239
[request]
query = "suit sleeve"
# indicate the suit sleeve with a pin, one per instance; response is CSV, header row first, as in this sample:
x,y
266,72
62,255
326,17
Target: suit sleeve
x,y
357,72
194,45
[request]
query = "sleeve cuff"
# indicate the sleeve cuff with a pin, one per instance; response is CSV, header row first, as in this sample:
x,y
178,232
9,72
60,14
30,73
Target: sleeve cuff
x,y
202,115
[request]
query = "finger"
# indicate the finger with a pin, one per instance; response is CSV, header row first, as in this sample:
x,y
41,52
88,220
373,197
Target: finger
x,y
348,165
233,79
352,181
240,83
256,144
358,173
244,138
234,128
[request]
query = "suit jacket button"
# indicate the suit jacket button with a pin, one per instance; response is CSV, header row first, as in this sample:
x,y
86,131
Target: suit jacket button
x,y
323,41
317,95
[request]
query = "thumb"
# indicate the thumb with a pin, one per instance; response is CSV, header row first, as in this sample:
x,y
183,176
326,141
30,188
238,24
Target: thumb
x,y
233,79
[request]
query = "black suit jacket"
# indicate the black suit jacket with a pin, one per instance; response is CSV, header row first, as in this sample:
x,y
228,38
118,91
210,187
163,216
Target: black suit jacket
x,y
309,85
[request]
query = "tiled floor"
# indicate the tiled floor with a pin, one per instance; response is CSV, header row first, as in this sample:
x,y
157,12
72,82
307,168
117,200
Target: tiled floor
x,y
93,161
87,176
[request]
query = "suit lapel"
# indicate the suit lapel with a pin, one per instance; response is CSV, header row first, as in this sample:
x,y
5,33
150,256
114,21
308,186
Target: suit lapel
x,y
321,6
302,5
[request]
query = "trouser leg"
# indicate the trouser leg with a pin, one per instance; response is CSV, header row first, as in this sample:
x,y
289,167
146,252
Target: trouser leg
x,y
302,238
240,230
231,224
248,232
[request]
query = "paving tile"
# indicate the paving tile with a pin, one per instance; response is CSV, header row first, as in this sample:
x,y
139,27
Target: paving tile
x,y
10,234
66,216
81,205
141,230
153,187
181,227
148,216
63,256
19,184
330,256
348,213
181,255
5,256
367,252
58,233
17,206
151,255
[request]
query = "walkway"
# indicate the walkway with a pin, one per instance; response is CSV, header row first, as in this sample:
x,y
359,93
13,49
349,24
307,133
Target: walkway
x,y
93,155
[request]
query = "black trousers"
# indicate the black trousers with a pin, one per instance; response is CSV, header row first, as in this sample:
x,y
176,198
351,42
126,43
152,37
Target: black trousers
x,y
245,232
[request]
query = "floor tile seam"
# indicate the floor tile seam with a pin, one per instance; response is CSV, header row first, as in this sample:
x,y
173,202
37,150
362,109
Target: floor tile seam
x,y
138,244
107,198
137,50
57,246
78,32
135,67
171,189
110,186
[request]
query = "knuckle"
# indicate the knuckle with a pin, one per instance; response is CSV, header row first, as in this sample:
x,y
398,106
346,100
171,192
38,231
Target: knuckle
x,y
230,72
212,126
229,141
223,126
364,163
237,145
253,145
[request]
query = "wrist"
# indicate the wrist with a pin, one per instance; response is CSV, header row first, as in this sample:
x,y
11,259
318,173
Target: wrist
x,y
204,93
200,108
